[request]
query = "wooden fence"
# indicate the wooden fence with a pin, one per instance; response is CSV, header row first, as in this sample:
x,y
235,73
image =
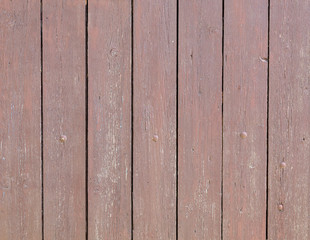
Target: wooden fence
x,y
154,119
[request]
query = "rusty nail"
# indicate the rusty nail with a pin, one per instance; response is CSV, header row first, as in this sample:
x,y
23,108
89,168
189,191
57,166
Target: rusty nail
x,y
155,138
63,138
282,165
281,207
243,135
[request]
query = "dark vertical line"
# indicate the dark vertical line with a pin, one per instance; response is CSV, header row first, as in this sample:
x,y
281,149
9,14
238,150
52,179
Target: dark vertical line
x,y
222,167
177,121
132,111
86,120
267,134
42,169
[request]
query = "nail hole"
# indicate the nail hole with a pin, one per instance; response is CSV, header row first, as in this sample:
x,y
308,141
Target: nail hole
x,y
113,52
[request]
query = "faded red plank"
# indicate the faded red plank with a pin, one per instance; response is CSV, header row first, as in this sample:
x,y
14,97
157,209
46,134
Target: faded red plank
x,y
245,110
154,162
109,128
200,119
64,114
289,124
20,118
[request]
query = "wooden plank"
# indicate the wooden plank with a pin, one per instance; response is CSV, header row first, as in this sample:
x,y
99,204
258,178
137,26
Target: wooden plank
x,y
109,128
289,114
245,119
20,119
154,154
64,114
200,119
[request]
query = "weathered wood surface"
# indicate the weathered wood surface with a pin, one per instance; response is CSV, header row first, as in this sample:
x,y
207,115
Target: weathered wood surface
x,y
64,114
245,110
109,140
289,121
109,128
154,112
200,119
20,119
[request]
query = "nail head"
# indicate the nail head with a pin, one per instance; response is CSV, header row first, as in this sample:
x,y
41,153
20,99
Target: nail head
x,y
155,138
281,207
282,164
63,138
243,135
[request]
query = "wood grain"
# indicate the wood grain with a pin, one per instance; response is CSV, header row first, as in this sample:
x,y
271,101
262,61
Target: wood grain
x,y
20,119
64,114
289,114
154,162
245,110
200,119
109,128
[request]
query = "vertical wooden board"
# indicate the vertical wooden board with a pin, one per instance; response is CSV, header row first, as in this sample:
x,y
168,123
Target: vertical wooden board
x,y
109,128
64,114
200,119
154,153
245,119
20,119
289,125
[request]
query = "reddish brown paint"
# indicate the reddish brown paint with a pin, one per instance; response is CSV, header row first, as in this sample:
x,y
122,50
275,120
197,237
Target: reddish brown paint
x,y
245,119
289,121
20,111
155,88
200,119
64,114
154,162
109,128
